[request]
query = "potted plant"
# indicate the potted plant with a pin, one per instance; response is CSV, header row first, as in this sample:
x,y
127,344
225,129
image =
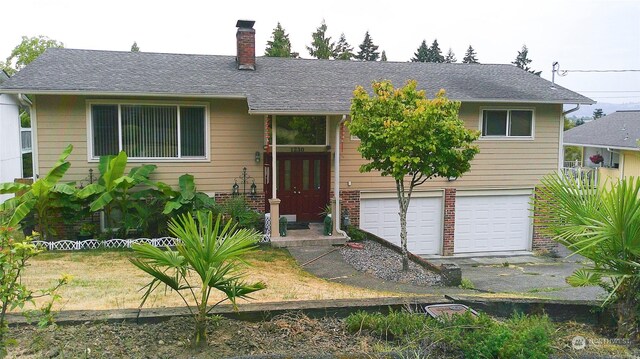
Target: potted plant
x,y
86,231
596,159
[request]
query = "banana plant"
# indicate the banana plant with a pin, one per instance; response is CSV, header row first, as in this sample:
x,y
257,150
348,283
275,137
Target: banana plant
x,y
113,188
39,196
187,199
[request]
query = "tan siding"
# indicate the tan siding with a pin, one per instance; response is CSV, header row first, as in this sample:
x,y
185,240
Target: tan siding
x,y
500,163
631,164
235,137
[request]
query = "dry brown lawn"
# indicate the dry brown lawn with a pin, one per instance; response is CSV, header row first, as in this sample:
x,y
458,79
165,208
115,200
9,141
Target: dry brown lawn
x,y
107,280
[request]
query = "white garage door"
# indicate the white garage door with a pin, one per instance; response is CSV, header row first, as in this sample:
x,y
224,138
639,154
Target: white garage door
x,y
424,222
492,223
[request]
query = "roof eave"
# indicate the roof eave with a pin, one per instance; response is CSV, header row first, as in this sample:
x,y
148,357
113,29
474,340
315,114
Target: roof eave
x,y
555,102
601,146
121,93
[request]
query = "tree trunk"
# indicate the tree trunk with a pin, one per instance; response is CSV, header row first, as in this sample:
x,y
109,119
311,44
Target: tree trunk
x,y
626,309
403,238
200,335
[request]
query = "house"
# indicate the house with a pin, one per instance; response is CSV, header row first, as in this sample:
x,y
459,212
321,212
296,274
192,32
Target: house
x,y
614,140
283,119
14,141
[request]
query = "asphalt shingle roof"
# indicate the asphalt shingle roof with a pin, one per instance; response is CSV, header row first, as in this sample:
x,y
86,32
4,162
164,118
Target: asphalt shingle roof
x,y
619,129
277,84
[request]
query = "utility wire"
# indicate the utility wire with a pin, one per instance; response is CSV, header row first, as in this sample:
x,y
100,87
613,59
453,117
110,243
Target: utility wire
x,y
628,70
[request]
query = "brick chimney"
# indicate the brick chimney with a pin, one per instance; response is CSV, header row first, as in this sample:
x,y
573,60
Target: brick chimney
x,y
246,40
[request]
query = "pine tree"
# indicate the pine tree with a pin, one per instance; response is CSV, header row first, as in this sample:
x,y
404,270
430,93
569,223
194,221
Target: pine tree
x,y
343,51
435,54
422,53
522,61
598,113
279,45
470,56
451,57
134,47
321,45
383,56
368,51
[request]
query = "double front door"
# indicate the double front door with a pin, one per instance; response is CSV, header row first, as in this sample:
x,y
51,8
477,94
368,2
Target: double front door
x,y
302,184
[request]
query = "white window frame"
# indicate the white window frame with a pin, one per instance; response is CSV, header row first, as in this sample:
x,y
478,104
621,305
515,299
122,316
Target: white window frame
x,y
507,137
177,104
326,131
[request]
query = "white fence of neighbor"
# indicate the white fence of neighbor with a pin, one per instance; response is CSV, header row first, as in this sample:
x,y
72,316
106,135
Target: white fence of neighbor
x,y
586,175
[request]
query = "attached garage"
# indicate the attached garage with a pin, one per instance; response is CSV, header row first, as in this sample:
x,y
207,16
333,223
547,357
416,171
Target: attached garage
x,y
379,215
492,221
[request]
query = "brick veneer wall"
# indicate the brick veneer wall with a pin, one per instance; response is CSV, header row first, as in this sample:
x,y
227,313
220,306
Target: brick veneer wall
x,y
256,202
540,242
351,201
449,221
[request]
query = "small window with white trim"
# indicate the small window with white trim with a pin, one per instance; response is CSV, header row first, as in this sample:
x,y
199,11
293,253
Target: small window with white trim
x,y
507,123
148,131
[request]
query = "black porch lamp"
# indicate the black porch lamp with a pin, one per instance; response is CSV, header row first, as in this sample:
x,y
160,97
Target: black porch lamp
x,y
236,189
254,189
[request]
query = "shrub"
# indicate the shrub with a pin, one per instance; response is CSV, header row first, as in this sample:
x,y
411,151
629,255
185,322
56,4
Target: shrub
x,y
356,234
15,251
520,336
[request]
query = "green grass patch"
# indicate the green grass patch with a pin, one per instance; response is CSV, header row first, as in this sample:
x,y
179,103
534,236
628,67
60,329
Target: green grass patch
x,y
466,283
520,336
544,290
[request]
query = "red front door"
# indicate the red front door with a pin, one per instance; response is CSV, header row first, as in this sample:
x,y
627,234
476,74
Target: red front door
x,y
303,184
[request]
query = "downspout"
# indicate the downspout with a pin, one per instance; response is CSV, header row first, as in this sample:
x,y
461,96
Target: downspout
x,y
336,187
561,142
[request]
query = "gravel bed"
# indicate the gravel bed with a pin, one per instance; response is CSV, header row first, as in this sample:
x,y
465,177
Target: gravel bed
x,y
384,263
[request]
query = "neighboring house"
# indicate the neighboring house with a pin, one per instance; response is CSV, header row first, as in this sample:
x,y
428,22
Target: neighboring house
x,y
12,146
615,138
211,116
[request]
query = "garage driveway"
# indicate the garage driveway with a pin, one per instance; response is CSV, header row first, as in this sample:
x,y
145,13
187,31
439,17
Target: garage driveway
x,y
528,275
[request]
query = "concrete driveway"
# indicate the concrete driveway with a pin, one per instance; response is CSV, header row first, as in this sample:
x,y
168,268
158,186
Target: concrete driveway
x,y
528,275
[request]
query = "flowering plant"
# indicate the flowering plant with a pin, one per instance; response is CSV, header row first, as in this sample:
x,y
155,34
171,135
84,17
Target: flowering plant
x,y
597,158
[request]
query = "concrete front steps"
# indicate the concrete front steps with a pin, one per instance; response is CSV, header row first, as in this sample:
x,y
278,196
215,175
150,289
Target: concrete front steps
x,y
284,242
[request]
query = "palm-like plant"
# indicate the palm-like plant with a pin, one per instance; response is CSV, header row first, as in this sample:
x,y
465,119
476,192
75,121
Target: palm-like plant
x,y
41,196
603,225
208,251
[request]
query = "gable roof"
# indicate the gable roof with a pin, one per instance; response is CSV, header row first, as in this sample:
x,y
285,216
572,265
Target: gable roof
x,y
278,85
620,129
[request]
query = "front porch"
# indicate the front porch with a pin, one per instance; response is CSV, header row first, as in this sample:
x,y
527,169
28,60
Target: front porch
x,y
299,160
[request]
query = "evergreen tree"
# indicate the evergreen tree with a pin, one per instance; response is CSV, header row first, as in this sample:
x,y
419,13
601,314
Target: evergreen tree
x,y
522,61
368,51
451,57
321,45
598,113
279,45
134,47
422,53
343,51
435,54
383,56
470,56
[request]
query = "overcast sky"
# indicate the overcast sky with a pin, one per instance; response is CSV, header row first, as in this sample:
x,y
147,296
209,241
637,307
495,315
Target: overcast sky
x,y
579,34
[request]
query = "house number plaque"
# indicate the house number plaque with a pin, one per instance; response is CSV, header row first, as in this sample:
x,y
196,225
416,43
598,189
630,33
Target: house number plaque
x,y
297,149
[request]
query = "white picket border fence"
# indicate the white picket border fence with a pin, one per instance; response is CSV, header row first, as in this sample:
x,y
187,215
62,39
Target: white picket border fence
x,y
66,245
